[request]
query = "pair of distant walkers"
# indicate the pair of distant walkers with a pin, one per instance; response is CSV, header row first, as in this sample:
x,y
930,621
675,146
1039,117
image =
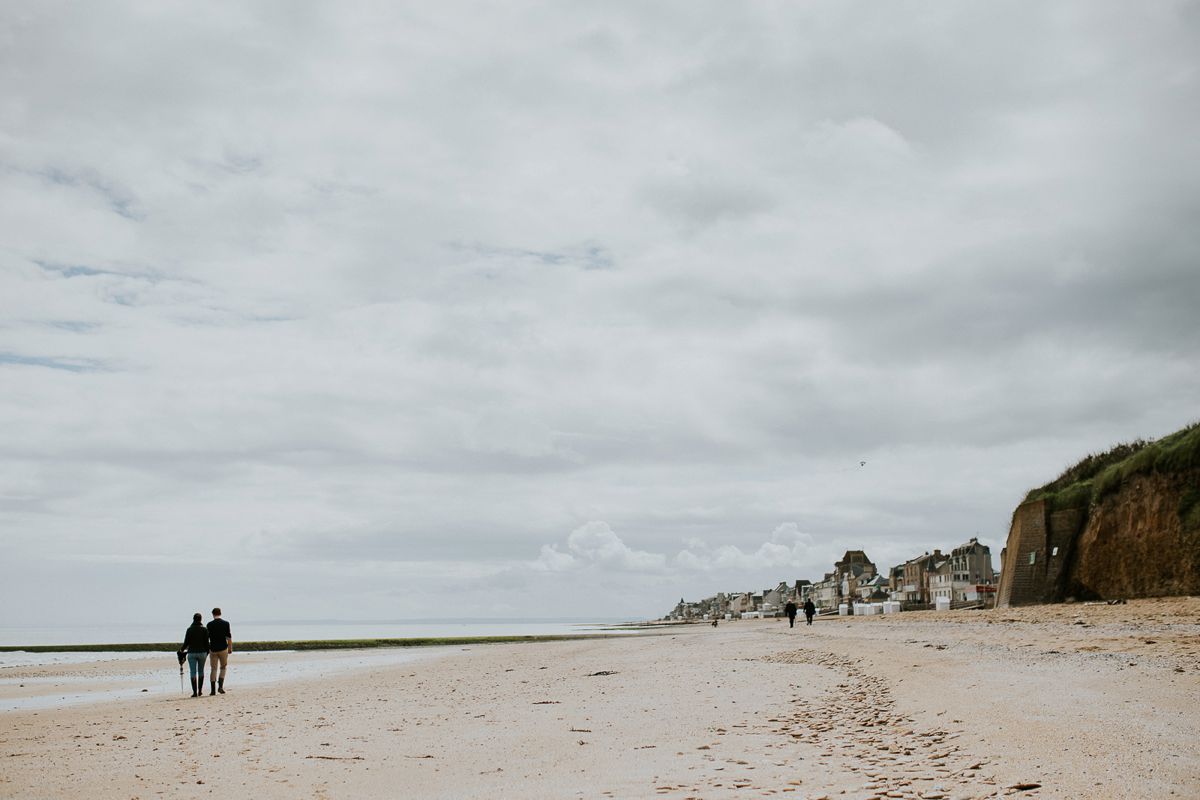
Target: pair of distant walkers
x,y
809,612
203,642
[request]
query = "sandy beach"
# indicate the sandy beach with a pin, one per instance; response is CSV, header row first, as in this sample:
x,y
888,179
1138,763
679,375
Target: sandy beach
x,y
1062,701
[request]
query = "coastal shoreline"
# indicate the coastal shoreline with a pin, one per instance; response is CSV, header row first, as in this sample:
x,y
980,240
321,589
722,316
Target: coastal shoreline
x,y
303,644
1066,701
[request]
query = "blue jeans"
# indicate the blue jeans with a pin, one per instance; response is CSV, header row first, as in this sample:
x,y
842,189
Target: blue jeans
x,y
196,663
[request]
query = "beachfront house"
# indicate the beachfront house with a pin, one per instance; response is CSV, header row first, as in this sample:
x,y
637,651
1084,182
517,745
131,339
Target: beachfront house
x,y
825,592
853,570
773,599
709,608
856,562
972,574
941,581
786,592
916,579
873,590
740,603
853,579
800,591
677,611
896,583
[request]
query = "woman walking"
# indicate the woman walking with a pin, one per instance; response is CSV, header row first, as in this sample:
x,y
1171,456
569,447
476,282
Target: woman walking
x,y
195,641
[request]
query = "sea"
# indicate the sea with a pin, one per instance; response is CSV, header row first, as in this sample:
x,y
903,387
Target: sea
x,y
295,630
19,690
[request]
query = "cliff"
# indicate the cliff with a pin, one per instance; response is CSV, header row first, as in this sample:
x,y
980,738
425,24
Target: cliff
x,y
1125,523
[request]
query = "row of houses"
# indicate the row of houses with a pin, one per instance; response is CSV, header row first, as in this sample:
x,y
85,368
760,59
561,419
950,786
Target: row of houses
x,y
963,576
735,605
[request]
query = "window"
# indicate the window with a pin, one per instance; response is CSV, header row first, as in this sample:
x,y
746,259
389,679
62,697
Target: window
x,y
1033,557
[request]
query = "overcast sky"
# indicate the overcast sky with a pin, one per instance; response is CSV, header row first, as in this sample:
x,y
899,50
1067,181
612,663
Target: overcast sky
x,y
383,310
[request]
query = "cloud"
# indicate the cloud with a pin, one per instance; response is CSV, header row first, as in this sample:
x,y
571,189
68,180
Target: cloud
x,y
551,560
595,544
787,549
392,299
699,196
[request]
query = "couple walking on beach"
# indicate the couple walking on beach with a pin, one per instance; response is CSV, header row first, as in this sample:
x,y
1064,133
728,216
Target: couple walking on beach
x,y
809,611
203,642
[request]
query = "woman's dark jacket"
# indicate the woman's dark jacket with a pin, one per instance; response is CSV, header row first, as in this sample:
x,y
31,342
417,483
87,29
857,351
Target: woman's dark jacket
x,y
195,640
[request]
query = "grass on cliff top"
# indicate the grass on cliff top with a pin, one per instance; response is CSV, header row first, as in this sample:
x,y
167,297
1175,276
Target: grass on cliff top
x,y
1100,474
308,644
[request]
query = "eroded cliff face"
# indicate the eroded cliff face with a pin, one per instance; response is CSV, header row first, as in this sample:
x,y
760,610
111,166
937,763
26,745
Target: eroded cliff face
x,y
1141,541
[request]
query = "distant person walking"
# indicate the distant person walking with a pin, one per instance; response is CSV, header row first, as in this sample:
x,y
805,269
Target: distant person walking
x,y
790,610
810,610
220,642
195,642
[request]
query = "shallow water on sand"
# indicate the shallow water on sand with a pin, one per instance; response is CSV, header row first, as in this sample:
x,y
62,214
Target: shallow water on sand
x,y
25,692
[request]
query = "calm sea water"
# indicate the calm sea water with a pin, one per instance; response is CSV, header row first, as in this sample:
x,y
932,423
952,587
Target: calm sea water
x,y
252,631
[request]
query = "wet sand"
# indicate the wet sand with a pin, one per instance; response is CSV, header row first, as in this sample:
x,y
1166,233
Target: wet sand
x,y
90,677
1065,701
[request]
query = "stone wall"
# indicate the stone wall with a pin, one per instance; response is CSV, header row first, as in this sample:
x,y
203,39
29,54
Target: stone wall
x,y
1023,571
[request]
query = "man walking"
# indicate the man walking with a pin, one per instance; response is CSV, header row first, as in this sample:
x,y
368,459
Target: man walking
x,y
809,610
220,642
790,610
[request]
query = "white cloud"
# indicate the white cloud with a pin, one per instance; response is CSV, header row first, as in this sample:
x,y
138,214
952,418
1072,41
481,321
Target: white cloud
x,y
423,290
595,543
787,549
553,560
